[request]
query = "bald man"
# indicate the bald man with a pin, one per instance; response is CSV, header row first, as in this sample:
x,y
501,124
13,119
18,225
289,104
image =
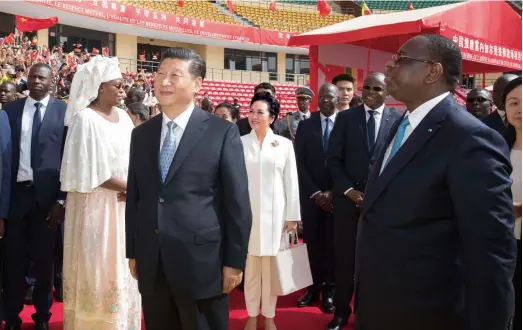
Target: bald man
x,y
497,120
479,102
358,134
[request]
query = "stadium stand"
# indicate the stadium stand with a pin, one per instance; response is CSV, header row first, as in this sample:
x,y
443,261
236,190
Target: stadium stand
x,y
399,5
203,10
287,20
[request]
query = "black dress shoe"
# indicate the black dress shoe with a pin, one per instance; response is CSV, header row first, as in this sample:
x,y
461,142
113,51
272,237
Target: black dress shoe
x,y
308,299
12,326
59,294
42,326
327,302
28,299
337,323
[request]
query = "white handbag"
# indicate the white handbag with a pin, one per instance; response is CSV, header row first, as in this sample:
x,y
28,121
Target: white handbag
x,y
290,269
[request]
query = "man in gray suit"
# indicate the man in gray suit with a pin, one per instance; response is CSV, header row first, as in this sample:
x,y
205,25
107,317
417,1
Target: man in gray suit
x,y
303,99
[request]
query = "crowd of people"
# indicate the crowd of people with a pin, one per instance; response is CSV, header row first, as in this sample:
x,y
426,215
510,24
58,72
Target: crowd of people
x,y
415,216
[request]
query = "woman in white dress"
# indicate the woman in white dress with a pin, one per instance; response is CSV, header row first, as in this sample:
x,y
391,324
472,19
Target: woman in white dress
x,y
513,106
274,197
99,291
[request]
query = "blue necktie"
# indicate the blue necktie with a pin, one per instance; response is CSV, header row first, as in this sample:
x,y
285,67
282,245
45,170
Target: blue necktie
x,y
400,134
371,130
326,134
168,150
37,122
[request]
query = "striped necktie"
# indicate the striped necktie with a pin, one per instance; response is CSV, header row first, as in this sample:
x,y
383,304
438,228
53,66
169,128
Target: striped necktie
x,y
168,150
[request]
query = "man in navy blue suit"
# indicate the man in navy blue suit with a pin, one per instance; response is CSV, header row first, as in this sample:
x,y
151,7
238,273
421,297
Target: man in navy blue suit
x,y
436,247
37,204
357,135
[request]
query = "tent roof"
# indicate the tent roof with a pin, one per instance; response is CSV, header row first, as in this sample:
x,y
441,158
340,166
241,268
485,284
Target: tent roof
x,y
493,21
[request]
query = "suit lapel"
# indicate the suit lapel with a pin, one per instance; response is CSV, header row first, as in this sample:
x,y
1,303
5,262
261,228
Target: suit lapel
x,y
19,115
426,129
156,132
362,125
317,129
48,120
386,123
193,132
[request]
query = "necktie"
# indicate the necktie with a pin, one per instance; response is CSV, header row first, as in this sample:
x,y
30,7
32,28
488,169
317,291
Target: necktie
x,y
326,134
37,122
400,134
168,150
371,130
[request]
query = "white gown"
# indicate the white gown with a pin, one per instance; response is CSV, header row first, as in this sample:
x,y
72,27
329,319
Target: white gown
x,y
99,291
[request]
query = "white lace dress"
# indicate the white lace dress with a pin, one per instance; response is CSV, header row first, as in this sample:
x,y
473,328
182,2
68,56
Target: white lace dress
x,y
99,291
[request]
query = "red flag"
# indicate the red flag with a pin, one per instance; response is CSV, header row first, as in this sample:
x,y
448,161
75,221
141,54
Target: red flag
x,y
181,3
95,51
10,38
324,8
411,7
365,10
105,51
272,5
28,24
230,6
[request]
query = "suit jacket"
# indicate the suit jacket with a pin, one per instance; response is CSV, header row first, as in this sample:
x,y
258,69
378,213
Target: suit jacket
x,y
46,171
438,221
5,164
311,159
199,220
245,128
494,121
349,158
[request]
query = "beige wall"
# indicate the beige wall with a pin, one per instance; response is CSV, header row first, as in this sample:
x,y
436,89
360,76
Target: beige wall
x,y
214,57
43,37
127,51
165,43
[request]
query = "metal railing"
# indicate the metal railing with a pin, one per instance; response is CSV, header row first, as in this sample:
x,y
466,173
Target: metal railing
x,y
133,65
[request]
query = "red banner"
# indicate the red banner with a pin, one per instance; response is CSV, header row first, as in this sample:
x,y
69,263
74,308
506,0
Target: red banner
x,y
477,50
127,14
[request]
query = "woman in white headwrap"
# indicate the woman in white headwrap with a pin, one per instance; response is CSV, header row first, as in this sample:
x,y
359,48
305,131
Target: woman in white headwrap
x,y
99,291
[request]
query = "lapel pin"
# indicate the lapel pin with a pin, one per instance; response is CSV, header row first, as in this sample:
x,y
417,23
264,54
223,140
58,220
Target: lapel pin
x,y
430,130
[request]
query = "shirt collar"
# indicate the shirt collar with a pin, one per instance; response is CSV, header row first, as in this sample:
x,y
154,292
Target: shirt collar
x,y
501,113
182,119
378,110
45,101
331,117
416,116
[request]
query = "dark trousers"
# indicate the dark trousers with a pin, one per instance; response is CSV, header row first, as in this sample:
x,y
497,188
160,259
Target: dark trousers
x,y
318,234
517,287
28,237
165,310
346,216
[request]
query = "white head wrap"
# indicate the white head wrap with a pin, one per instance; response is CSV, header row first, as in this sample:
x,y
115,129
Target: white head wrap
x,y
87,81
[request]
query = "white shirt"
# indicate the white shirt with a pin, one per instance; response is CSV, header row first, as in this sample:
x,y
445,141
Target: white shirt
x,y
307,115
415,117
377,117
25,171
181,123
502,114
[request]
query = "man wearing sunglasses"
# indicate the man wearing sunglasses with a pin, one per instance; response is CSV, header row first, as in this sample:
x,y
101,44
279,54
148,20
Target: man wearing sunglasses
x,y
436,246
479,102
357,135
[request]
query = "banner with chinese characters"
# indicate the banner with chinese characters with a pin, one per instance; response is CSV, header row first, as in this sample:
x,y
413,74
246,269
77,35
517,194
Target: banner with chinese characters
x,y
141,17
482,51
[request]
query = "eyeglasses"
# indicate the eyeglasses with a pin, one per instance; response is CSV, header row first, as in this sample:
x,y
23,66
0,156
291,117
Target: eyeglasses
x,y
376,89
400,59
477,99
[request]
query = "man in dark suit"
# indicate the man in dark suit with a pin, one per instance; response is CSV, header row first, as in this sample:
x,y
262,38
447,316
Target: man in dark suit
x,y
5,169
37,204
243,124
358,133
312,141
436,246
188,215
497,120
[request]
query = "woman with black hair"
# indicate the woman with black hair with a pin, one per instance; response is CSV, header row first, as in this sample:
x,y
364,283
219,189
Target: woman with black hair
x,y
512,100
226,111
274,197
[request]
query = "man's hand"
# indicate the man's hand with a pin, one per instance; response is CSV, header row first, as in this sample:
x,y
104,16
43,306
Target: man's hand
x,y
517,210
355,196
132,268
231,279
56,215
319,199
2,228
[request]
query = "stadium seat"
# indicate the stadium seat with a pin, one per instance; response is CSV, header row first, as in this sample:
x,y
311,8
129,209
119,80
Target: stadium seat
x,y
399,5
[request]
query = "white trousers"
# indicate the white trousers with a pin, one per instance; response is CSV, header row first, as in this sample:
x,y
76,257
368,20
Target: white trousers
x,y
257,287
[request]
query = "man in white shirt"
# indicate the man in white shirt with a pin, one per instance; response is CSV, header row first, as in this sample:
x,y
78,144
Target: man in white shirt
x,y
436,248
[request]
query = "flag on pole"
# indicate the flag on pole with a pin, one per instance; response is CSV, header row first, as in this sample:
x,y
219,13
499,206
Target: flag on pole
x,y
324,8
230,6
181,3
28,24
272,5
365,10
411,7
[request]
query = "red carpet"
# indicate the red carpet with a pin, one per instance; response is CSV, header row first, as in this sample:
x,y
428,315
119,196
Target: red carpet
x,y
287,315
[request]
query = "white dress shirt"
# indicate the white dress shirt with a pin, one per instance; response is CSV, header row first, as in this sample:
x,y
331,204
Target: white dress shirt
x,y
25,171
377,117
415,117
181,123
